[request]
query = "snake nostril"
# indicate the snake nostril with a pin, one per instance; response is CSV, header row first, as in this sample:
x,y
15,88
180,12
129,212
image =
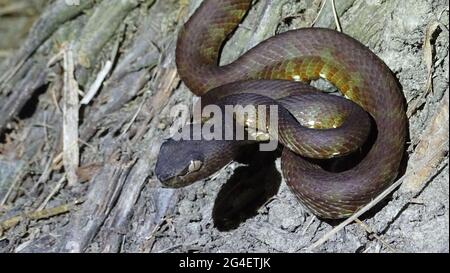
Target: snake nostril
x,y
162,176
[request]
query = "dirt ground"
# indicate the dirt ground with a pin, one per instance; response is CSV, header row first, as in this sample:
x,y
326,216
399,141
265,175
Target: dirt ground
x,y
116,203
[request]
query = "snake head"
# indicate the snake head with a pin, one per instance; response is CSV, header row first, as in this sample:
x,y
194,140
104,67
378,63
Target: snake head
x,y
179,163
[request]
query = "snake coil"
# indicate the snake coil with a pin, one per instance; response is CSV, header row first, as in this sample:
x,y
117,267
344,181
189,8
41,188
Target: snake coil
x,y
304,54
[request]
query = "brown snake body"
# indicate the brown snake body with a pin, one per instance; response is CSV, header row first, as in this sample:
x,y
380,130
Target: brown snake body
x,y
303,54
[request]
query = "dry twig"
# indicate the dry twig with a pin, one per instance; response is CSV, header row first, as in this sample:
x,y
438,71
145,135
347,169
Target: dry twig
x,y
70,119
37,215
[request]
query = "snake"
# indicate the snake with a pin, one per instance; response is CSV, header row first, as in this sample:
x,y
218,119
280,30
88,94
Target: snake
x,y
277,71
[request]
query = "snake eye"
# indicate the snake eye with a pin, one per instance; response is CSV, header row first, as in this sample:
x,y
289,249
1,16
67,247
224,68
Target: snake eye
x,y
194,166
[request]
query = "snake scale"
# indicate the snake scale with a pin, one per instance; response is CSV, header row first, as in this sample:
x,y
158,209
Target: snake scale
x,y
276,67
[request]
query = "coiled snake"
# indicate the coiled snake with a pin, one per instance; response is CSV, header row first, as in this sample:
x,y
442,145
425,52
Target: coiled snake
x,y
272,69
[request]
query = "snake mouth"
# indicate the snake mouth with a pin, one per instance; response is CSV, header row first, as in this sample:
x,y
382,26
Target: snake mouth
x,y
169,181
163,178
